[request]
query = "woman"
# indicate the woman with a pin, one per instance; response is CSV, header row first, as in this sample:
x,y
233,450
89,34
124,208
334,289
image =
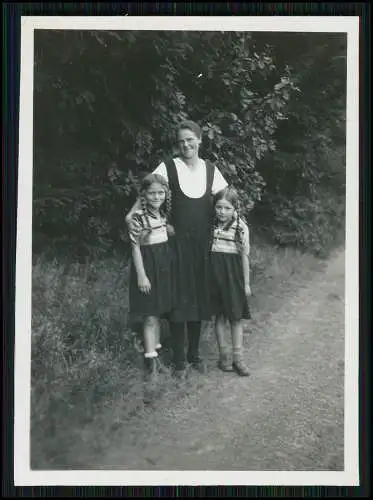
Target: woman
x,y
192,182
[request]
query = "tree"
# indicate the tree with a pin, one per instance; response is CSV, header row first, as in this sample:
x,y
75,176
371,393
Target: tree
x,y
304,201
106,104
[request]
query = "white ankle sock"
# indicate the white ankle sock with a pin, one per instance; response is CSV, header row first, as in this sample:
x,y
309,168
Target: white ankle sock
x,y
153,354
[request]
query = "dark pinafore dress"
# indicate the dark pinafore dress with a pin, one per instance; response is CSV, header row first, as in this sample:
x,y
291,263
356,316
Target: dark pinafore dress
x,y
228,287
191,218
158,262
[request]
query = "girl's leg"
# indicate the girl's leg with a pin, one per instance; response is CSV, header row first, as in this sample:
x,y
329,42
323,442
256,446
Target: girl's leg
x,y
161,367
237,341
220,334
151,328
151,324
158,336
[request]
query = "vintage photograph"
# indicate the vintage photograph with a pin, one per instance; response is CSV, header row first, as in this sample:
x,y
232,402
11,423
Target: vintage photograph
x,y
188,258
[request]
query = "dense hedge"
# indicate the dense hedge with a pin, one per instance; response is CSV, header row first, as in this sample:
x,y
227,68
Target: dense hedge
x,y
272,106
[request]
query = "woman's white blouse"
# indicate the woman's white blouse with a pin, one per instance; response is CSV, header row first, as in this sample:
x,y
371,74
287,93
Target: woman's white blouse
x,y
192,180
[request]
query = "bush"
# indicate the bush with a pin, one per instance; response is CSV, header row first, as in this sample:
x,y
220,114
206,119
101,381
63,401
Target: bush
x,y
106,104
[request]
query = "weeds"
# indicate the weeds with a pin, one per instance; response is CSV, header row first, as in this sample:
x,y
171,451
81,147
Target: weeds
x,y
84,365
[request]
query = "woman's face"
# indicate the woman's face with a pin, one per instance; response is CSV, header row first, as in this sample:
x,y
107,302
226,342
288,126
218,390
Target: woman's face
x,y
188,143
155,195
224,210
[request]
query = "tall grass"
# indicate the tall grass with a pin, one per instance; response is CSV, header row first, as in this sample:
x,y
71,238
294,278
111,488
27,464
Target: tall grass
x,y
83,359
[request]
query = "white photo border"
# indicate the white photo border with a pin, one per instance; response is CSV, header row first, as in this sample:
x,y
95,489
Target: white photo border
x,y
23,475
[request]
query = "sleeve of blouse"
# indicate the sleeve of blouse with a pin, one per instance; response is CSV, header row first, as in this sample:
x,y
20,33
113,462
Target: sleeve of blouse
x,y
219,182
245,238
161,170
135,238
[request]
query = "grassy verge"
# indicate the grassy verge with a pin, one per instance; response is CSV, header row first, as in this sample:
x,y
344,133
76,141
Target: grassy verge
x,y
86,375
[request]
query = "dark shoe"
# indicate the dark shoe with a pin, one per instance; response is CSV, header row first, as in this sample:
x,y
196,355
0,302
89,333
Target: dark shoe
x,y
161,367
151,370
198,365
240,368
224,363
150,396
138,343
180,375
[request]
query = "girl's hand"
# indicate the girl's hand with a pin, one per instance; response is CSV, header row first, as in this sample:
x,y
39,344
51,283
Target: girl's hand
x,y
247,290
144,284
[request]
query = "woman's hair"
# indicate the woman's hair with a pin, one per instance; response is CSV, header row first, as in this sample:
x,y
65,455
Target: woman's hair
x,y
230,194
190,125
146,182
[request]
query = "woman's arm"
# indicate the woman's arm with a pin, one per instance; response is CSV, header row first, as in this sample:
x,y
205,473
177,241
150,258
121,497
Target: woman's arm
x,y
142,279
245,252
135,207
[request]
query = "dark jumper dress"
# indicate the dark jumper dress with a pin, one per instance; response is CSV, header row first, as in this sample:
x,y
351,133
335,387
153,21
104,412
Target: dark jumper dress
x,y
158,261
191,218
227,279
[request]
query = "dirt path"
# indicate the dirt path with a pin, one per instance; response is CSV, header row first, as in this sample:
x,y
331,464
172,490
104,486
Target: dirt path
x,y
287,416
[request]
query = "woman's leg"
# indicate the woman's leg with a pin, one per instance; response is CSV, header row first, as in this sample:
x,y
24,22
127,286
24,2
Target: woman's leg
x,y
194,335
220,334
178,347
237,341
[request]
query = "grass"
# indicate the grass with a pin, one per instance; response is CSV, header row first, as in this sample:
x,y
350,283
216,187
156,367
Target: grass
x,y
84,366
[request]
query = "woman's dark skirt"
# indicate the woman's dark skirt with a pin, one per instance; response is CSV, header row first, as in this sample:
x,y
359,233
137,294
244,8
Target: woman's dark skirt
x,y
192,280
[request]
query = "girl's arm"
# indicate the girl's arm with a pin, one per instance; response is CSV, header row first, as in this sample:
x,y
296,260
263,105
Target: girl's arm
x,y
142,279
245,257
246,273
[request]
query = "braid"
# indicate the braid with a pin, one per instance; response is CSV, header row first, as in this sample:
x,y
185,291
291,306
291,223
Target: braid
x,y
212,231
168,205
168,214
144,207
237,234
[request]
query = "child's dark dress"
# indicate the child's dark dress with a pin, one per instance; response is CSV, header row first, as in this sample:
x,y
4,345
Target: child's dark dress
x,y
227,278
158,261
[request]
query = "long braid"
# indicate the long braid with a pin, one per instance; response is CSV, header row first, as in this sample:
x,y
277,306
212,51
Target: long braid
x,y
238,233
168,213
144,208
168,205
212,231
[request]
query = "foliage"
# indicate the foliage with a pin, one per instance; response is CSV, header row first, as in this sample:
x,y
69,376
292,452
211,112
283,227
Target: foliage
x,y
106,104
304,200
85,372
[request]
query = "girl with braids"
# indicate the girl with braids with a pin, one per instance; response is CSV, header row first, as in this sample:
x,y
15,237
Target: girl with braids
x,y
192,182
151,285
230,277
